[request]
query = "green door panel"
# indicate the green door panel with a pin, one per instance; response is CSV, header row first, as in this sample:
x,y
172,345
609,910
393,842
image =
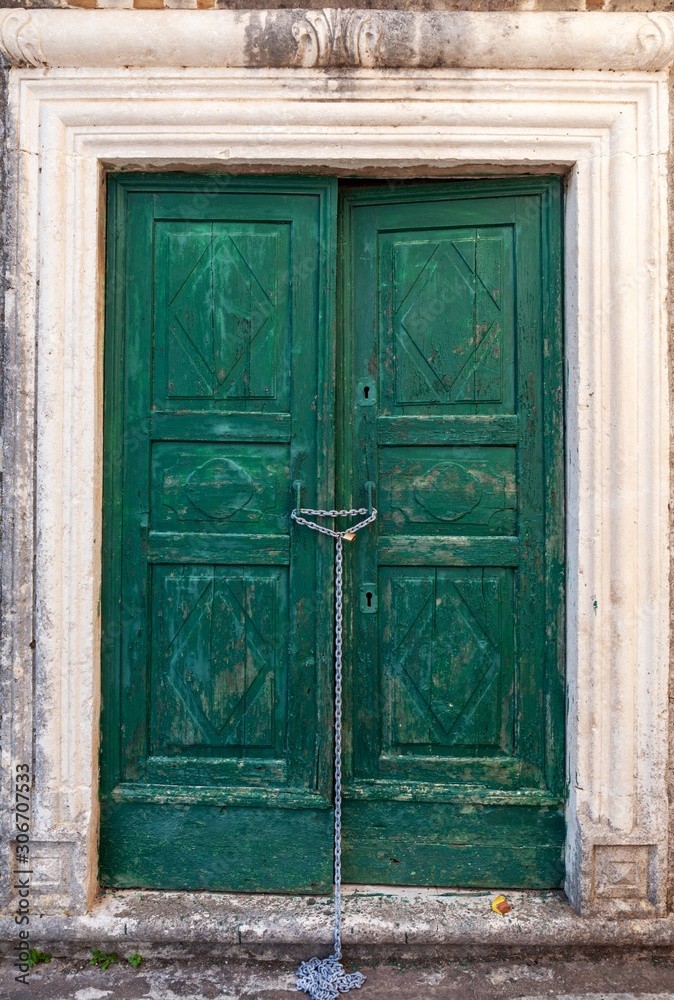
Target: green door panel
x,y
447,650
216,727
452,405
226,334
172,845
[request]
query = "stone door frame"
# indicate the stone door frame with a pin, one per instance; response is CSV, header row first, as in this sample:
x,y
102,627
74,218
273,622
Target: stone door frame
x,y
147,94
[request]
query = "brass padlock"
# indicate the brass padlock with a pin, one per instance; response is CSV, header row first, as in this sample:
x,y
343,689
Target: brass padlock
x,y
349,536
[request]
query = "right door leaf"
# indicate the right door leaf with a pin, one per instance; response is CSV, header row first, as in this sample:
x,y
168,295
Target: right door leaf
x,y
452,319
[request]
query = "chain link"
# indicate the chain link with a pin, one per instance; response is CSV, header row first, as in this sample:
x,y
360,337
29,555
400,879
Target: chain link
x,y
295,515
325,979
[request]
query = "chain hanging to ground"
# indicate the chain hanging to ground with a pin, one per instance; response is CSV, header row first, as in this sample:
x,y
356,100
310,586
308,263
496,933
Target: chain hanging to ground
x,y
325,978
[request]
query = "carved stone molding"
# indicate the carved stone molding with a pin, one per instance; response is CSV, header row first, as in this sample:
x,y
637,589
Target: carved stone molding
x,y
621,872
336,38
52,867
656,39
20,43
609,133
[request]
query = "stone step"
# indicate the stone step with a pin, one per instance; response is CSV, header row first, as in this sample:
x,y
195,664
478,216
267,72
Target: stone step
x,y
379,922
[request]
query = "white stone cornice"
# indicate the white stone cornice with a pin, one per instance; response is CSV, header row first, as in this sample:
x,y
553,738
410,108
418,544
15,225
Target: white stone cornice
x,y
337,38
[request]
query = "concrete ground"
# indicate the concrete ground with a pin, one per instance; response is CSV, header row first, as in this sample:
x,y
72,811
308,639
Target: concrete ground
x,y
583,979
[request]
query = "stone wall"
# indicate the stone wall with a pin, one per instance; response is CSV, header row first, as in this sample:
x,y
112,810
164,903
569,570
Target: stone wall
x,y
644,6
670,285
4,686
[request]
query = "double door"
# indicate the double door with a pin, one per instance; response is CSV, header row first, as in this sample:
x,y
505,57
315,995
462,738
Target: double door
x,y
267,331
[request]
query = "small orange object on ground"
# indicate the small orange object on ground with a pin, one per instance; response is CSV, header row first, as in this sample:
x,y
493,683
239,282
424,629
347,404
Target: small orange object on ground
x,y
501,905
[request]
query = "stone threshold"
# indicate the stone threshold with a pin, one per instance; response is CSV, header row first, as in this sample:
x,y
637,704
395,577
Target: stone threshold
x,y
379,922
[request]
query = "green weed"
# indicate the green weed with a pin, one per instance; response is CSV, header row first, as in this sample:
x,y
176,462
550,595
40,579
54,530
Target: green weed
x,y
102,960
37,957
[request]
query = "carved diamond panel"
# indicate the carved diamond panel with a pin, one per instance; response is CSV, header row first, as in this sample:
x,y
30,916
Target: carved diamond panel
x,y
447,656
217,659
448,321
621,872
221,317
448,305
51,865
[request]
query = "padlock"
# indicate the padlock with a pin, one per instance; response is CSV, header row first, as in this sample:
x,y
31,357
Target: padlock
x,y
349,536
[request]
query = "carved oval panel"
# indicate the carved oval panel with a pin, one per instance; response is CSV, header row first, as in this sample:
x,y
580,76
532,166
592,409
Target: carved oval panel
x,y
219,488
448,491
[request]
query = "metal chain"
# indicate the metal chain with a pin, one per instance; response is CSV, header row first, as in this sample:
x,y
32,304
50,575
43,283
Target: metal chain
x,y
325,979
295,515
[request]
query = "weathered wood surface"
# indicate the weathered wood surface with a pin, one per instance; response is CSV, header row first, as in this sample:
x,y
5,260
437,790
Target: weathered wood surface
x,y
451,403
176,846
216,673
217,729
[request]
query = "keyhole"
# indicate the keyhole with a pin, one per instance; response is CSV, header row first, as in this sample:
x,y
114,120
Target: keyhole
x,y
366,393
368,598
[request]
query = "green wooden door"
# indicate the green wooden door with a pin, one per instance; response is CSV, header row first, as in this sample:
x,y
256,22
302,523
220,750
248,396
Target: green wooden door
x,y
217,624
216,734
452,406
